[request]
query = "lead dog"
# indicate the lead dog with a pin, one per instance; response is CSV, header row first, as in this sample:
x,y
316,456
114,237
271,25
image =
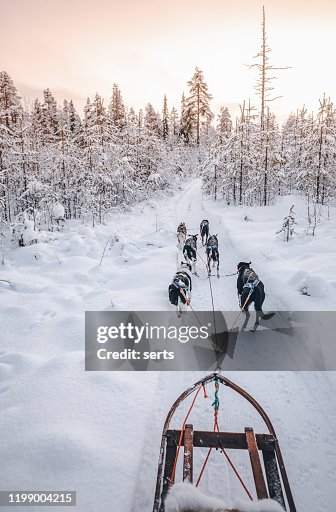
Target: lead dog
x,y
181,233
180,289
212,253
204,230
190,251
250,289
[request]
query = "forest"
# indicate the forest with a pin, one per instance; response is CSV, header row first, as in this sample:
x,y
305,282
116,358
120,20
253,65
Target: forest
x,y
56,164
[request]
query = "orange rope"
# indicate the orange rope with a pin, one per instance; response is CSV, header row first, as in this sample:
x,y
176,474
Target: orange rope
x,y
203,467
181,437
216,428
198,254
210,449
236,473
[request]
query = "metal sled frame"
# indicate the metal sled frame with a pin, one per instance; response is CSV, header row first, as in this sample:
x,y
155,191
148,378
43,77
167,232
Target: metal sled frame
x,y
274,468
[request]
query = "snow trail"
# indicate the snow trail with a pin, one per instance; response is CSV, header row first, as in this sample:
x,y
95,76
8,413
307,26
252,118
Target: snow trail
x,y
100,433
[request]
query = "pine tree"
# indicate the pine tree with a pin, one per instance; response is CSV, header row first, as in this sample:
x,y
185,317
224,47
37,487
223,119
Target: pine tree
x,y
165,119
10,106
173,121
117,109
151,120
185,121
198,104
50,118
224,124
288,224
10,114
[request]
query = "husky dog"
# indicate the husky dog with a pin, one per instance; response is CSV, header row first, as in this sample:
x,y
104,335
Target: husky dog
x,y
180,289
212,253
181,234
204,230
250,289
190,251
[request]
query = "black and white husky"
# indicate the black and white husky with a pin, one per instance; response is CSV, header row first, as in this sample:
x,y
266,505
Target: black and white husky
x,y
251,289
180,289
190,251
204,230
212,253
181,234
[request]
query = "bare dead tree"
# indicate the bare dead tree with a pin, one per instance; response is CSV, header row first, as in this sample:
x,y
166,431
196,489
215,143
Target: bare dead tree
x,y
264,86
264,89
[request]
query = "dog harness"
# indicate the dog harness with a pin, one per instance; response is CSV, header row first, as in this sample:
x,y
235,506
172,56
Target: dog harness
x,y
253,284
182,229
181,277
212,242
190,243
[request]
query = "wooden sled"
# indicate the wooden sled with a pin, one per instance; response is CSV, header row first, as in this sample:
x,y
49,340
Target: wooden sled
x,y
276,486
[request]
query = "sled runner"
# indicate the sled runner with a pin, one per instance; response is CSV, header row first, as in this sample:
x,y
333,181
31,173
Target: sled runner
x,y
271,463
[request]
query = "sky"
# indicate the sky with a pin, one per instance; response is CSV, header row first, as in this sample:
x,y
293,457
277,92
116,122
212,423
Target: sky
x,y
151,48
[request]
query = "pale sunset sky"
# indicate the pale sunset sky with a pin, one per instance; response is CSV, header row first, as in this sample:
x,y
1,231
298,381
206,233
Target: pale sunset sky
x,y
151,48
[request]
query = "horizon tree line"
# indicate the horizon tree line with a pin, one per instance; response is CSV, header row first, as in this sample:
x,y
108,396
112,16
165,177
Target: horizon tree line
x,y
113,155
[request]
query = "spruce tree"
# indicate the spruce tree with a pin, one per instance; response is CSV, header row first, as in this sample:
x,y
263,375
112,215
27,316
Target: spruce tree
x,y
117,109
198,104
165,119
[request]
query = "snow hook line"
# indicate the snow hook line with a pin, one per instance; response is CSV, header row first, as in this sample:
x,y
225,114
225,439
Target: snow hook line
x,y
214,346
241,309
213,311
188,304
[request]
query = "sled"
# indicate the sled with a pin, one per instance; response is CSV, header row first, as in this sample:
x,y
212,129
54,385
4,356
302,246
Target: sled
x,y
271,463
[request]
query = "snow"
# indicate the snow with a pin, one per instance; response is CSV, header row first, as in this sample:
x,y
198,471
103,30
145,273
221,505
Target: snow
x,y
99,433
286,268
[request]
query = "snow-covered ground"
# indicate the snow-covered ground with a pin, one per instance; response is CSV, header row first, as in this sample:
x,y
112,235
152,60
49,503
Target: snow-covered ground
x,y
99,433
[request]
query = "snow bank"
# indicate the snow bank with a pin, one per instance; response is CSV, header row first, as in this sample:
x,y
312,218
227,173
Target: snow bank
x,y
81,425
299,271
184,497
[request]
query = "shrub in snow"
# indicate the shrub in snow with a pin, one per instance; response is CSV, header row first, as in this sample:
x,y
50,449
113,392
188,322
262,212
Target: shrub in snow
x,y
314,217
288,224
58,211
58,215
24,231
184,497
316,286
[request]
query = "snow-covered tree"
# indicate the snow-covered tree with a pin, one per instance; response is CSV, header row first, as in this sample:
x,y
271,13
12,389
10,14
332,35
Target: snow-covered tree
x,y
288,224
198,110
117,109
165,118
